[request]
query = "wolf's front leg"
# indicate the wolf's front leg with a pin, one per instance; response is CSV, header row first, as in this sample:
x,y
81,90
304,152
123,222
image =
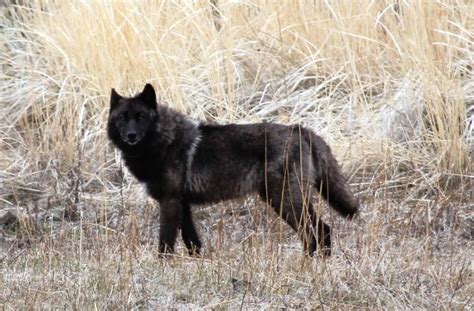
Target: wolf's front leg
x,y
189,232
170,221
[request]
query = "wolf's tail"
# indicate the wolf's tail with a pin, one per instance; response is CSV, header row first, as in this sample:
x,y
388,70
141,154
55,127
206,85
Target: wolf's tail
x,y
329,180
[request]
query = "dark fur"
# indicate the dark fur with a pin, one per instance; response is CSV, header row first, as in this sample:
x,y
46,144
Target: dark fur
x,y
183,162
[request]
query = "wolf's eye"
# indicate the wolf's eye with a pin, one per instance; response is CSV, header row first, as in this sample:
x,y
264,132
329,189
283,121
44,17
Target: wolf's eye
x,y
122,117
141,116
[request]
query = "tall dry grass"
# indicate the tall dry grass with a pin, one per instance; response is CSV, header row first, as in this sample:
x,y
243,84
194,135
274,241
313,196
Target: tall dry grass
x,y
389,85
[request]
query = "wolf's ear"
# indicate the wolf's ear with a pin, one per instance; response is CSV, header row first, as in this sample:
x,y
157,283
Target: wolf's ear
x,y
114,98
148,95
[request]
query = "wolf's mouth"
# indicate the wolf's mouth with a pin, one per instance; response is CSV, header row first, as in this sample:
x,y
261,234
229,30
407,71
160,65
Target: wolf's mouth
x,y
132,142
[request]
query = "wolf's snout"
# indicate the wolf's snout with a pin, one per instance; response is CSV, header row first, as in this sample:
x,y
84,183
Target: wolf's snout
x,y
131,138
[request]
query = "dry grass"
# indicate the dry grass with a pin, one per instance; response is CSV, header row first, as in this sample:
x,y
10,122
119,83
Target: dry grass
x,y
389,85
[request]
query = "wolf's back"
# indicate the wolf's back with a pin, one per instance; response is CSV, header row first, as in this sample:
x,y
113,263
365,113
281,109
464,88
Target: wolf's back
x,y
330,181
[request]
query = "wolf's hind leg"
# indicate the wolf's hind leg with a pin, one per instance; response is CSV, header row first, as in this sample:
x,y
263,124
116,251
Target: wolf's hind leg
x,y
291,205
189,232
319,235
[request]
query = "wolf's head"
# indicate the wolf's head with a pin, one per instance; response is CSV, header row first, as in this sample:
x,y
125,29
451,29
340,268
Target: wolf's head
x,y
131,119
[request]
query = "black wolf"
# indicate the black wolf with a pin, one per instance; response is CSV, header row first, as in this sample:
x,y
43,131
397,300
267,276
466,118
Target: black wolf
x,y
184,162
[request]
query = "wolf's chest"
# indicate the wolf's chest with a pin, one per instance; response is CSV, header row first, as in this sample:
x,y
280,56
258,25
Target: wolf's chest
x,y
144,169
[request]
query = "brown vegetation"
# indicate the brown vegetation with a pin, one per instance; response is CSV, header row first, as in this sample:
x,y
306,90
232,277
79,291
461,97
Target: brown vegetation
x,y
388,84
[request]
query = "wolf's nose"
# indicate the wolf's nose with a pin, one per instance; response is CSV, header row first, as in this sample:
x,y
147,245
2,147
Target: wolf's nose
x,y
131,136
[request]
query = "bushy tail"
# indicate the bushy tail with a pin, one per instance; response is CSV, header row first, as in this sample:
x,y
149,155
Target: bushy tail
x,y
329,180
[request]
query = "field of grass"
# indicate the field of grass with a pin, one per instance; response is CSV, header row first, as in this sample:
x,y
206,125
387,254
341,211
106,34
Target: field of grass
x,y
388,84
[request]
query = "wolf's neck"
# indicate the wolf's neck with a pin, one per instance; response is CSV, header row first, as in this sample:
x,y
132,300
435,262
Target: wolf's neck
x,y
173,127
